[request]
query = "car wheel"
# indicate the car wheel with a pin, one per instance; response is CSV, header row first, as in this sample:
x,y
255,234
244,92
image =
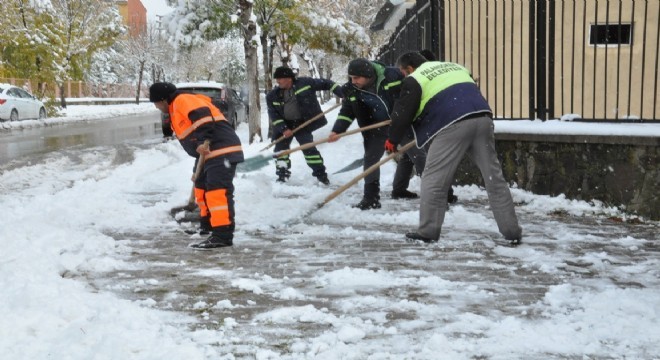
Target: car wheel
x,y
14,115
42,113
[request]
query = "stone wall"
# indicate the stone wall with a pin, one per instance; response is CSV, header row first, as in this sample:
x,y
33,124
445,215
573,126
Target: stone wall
x,y
620,171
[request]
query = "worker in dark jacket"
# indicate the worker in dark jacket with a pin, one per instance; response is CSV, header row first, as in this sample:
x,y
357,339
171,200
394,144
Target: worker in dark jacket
x,y
369,97
292,102
450,116
195,120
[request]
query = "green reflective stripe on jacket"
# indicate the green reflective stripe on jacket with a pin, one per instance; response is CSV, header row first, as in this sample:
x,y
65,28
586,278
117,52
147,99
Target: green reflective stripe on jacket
x,y
352,98
332,89
345,118
304,88
277,103
452,74
278,121
392,84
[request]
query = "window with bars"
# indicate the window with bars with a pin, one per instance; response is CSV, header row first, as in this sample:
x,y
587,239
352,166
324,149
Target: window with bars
x,y
610,34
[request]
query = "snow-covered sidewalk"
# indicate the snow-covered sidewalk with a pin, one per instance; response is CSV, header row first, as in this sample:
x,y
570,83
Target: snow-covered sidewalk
x,y
94,267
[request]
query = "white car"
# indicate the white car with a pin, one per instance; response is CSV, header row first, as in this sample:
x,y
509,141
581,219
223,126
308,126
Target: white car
x,y
18,104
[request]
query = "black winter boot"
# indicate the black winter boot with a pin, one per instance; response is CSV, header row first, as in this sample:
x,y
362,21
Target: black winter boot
x,y
205,225
417,236
324,179
283,174
214,241
451,198
404,194
367,204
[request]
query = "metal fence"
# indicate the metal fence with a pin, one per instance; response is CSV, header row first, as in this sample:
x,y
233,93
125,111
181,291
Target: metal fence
x,y
586,59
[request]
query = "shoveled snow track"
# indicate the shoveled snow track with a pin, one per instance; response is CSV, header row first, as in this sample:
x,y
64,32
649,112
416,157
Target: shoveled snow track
x,y
237,288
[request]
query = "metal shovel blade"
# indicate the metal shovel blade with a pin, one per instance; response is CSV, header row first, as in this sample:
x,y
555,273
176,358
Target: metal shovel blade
x,y
253,163
354,165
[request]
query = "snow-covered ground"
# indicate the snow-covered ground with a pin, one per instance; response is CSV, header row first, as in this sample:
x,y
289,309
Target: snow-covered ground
x,y
59,217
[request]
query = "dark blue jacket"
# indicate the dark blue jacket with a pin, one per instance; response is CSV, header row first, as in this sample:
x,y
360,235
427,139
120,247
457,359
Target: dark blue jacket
x,y
452,104
368,107
305,89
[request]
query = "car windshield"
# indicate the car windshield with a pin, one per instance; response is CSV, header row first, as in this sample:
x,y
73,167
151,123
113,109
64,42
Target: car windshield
x,y
210,92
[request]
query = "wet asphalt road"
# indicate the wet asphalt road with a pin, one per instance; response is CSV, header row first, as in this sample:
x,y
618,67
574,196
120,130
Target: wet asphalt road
x,y
25,145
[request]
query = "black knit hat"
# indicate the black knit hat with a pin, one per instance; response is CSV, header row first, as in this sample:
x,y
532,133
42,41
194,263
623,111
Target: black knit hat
x,y
428,54
160,91
283,72
361,67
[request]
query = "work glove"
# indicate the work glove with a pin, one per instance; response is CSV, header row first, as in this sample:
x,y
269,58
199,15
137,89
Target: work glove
x,y
390,147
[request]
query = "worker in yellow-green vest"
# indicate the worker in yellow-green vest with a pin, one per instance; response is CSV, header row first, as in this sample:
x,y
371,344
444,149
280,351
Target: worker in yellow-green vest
x,y
450,118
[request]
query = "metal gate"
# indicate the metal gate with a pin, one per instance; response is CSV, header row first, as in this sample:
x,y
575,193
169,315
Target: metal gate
x,y
579,59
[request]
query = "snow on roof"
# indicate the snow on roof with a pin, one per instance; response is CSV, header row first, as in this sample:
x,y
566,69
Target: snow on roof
x,y
211,84
390,14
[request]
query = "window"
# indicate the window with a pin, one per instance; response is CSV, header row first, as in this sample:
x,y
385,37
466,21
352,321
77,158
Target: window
x,y
14,92
611,34
24,94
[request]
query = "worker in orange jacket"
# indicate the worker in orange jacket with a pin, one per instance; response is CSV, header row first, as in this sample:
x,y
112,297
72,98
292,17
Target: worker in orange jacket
x,y
195,120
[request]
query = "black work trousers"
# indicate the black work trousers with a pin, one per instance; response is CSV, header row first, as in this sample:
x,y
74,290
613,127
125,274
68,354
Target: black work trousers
x,y
374,148
312,155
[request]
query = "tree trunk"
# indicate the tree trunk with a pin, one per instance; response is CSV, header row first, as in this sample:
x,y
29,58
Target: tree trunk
x,y
62,96
267,55
325,95
139,83
252,69
285,50
269,76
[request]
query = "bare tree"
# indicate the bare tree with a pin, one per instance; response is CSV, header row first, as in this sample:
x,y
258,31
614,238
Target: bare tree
x,y
269,15
139,51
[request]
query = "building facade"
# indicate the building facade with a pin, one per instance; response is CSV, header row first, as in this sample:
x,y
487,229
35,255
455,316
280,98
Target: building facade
x,y
544,59
135,16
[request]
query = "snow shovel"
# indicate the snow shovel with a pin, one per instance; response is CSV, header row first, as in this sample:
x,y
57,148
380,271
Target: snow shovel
x,y
364,174
191,205
301,126
354,181
259,161
354,165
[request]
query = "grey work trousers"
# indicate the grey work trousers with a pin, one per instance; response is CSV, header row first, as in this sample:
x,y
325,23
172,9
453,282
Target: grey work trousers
x,y
474,137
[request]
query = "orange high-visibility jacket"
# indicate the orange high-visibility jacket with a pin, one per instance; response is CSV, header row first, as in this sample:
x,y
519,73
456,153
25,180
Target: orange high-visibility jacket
x,y
195,119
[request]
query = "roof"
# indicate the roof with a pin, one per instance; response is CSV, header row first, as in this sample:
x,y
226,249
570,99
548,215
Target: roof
x,y
207,84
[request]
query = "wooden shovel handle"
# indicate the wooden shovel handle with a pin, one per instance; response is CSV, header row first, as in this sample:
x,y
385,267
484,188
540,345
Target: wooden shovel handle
x,y
317,142
198,171
301,126
369,170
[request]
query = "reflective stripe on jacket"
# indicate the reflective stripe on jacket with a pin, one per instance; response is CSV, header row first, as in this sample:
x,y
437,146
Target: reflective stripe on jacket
x,y
304,89
368,107
195,119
